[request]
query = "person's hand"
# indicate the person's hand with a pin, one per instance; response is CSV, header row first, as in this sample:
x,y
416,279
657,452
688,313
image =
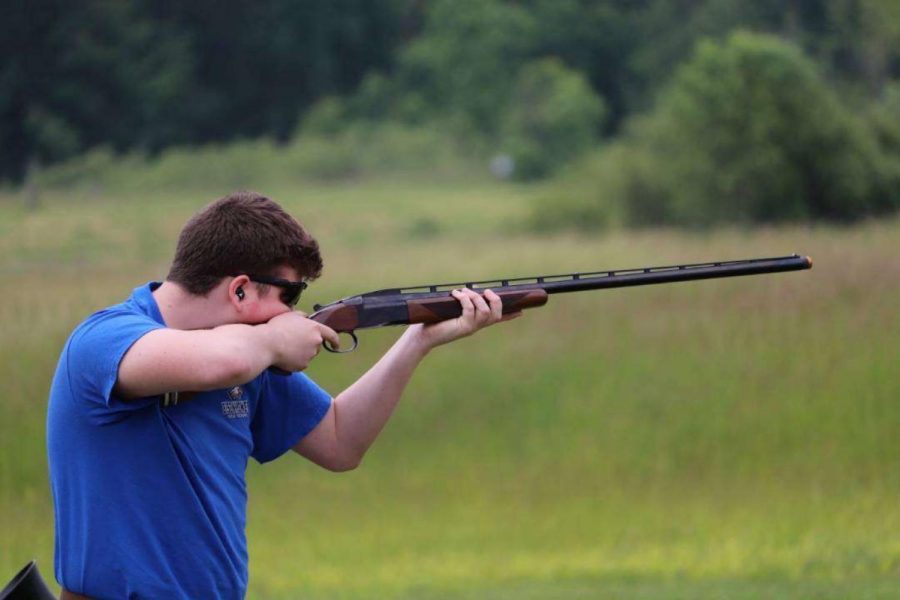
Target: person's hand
x,y
478,312
296,340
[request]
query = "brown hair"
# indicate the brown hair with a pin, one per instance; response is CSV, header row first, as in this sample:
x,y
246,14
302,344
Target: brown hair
x,y
241,233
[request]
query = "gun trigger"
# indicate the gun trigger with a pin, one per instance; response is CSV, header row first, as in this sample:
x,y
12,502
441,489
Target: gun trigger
x,y
331,348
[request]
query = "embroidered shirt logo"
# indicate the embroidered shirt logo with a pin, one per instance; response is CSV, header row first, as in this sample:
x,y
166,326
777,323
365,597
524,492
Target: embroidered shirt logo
x,y
236,407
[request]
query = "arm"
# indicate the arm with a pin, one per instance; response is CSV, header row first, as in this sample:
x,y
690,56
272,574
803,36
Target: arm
x,y
360,412
166,360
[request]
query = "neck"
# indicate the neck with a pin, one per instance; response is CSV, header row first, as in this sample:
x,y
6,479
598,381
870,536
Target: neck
x,y
182,310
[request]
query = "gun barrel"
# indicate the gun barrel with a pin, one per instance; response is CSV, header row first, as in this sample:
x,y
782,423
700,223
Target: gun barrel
x,y
577,282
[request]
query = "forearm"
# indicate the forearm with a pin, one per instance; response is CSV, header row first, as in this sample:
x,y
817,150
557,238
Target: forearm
x,y
167,360
363,409
360,412
288,344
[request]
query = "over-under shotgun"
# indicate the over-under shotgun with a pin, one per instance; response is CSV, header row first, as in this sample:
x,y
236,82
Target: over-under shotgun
x,y
433,303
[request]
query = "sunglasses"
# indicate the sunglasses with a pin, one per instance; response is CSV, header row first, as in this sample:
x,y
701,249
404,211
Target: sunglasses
x,y
290,290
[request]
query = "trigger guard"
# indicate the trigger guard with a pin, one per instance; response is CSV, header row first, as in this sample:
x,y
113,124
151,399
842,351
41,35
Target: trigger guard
x,y
334,350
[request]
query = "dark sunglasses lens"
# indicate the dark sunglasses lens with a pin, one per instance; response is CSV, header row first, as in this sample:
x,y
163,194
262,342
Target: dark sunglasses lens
x,y
291,295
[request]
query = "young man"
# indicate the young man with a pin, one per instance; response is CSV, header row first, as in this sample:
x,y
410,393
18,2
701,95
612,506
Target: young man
x,y
158,402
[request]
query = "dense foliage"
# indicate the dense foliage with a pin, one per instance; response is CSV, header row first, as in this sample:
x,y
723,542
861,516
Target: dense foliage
x,y
796,118
747,132
151,74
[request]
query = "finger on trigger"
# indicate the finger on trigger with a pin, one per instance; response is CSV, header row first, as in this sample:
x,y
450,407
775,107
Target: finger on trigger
x,y
330,335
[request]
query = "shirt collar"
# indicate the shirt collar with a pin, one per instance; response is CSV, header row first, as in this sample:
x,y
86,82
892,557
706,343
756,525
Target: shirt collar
x,y
142,296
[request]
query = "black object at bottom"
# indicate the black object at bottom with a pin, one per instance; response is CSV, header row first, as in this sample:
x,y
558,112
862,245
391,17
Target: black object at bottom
x,y
27,585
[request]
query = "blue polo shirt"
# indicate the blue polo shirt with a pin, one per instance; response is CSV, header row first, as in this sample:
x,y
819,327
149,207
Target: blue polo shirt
x,y
150,500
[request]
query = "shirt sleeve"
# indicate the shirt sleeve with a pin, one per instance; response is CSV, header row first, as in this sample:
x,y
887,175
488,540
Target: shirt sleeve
x,y
289,407
92,359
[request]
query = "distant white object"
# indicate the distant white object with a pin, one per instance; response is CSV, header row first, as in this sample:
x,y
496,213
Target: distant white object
x,y
502,166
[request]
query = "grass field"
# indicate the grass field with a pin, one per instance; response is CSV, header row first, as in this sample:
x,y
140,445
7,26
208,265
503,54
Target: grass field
x,y
720,439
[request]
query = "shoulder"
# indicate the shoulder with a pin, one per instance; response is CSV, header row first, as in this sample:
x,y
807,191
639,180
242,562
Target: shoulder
x,y
90,358
99,342
115,322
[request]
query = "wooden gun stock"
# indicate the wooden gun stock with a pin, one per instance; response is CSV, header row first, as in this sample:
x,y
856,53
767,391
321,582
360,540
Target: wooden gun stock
x,y
342,318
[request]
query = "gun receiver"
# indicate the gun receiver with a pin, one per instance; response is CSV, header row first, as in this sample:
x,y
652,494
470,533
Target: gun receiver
x,y
433,303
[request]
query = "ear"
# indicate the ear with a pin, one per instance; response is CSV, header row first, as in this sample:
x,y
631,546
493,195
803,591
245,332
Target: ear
x,y
237,291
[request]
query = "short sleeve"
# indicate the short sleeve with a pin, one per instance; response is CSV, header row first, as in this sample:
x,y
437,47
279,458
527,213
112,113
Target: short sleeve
x,y
289,407
93,354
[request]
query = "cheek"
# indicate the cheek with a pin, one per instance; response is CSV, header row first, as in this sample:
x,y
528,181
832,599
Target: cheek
x,y
263,311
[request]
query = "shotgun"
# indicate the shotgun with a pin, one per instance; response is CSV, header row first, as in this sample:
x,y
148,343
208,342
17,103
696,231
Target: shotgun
x,y
433,303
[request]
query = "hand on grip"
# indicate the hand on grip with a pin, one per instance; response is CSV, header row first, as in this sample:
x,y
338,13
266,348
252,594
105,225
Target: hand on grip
x,y
296,340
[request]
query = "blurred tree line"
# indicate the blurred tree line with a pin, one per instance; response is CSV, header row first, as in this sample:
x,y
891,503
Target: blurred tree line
x,y
148,74
689,111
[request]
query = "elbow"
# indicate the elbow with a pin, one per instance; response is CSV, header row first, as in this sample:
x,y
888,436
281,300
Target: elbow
x,y
341,468
344,464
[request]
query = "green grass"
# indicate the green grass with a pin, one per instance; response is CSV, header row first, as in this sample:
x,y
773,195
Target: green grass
x,y
721,439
